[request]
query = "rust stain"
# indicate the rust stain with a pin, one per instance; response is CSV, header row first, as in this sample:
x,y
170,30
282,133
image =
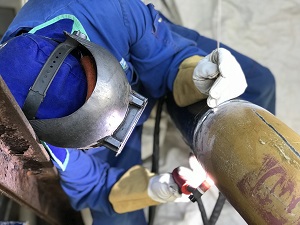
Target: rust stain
x,y
273,192
15,143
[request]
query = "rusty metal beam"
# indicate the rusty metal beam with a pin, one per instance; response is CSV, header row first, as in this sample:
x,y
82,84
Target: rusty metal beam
x,y
27,175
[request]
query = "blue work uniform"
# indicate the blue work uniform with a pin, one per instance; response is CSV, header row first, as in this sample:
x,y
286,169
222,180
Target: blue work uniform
x,y
150,49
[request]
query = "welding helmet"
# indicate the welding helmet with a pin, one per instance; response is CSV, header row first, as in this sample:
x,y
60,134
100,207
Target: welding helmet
x,y
51,88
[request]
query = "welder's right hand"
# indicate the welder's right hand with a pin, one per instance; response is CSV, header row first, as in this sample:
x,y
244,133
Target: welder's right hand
x,y
59,156
219,76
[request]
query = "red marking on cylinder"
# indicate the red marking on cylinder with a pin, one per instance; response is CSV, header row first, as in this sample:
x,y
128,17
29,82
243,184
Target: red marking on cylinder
x,y
262,185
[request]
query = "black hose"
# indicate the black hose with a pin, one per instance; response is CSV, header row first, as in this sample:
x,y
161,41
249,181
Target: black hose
x,y
155,169
217,209
155,154
202,211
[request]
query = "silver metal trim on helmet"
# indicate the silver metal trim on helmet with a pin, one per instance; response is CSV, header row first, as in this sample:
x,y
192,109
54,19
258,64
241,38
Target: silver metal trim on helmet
x,y
109,115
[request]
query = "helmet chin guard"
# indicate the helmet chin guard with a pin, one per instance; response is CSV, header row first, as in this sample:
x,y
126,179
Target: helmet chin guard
x,y
108,116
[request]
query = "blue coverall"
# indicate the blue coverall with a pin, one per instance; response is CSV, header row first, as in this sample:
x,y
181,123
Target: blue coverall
x,y
150,48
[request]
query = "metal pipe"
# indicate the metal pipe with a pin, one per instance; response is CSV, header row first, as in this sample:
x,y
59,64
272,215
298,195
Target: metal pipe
x,y
252,156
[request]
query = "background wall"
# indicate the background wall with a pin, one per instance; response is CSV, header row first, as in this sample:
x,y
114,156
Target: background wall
x,y
267,31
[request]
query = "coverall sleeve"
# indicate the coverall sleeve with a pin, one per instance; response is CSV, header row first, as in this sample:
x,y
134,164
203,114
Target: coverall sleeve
x,y
156,51
87,181
91,183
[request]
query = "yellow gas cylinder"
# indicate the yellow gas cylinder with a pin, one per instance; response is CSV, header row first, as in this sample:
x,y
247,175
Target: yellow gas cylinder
x,y
252,156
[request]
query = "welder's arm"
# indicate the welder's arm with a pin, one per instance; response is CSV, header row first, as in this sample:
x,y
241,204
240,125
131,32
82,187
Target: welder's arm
x,y
86,179
59,156
217,77
92,183
138,188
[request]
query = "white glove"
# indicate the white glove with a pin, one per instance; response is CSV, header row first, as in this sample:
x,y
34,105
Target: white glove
x,y
219,76
162,188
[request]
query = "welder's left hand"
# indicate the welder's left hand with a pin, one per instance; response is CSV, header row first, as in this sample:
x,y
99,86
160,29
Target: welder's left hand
x,y
192,177
219,76
162,188
195,174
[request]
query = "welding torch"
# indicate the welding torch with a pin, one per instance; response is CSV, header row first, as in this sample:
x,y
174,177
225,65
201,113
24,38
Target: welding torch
x,y
185,179
184,182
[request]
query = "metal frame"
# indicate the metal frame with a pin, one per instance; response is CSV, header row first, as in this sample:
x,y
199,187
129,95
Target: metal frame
x,y
27,175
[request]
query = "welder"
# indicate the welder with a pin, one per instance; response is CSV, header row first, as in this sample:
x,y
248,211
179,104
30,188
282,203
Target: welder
x,y
87,75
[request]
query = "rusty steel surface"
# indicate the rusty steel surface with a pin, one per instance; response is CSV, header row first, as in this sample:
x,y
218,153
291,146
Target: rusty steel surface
x,y
27,175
